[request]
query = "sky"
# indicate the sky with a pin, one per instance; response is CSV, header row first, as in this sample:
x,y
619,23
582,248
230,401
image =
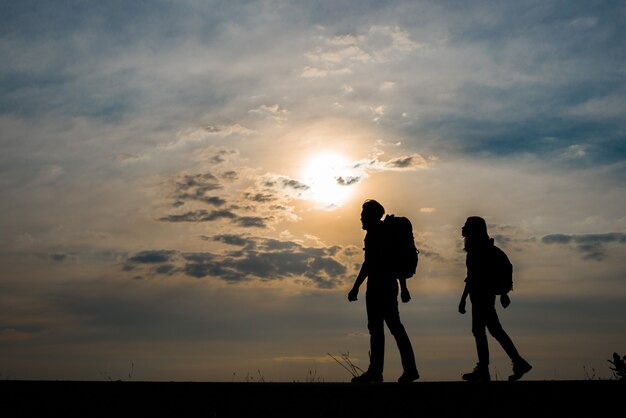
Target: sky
x,y
182,181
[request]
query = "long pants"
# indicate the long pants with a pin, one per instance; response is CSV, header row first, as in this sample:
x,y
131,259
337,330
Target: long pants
x,y
484,316
382,307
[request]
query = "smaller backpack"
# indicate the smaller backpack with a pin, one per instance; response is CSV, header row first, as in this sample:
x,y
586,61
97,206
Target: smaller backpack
x,y
403,254
501,274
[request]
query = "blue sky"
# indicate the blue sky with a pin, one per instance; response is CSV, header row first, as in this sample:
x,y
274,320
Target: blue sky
x,y
181,181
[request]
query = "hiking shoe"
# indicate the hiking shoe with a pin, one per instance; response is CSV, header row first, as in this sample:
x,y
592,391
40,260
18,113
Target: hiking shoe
x,y
368,377
479,374
409,377
520,368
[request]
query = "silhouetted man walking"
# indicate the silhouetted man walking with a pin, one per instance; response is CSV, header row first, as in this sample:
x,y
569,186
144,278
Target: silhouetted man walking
x,y
381,299
480,268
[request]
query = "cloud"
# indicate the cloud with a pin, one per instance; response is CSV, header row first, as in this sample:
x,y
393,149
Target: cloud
x,y
407,163
274,111
575,151
278,186
196,187
591,245
264,259
204,181
58,257
152,257
345,54
247,200
283,182
128,158
237,240
251,221
230,175
200,215
348,181
205,132
260,197
402,163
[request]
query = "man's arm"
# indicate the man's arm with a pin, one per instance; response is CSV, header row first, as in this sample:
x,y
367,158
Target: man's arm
x,y
404,291
505,300
352,295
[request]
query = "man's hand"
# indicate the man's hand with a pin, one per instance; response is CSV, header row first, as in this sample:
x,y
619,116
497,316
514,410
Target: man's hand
x,y
462,306
405,295
352,295
505,300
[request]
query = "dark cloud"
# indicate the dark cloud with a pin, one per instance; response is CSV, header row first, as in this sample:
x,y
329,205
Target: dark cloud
x,y
260,197
263,259
230,175
592,245
294,184
585,238
400,162
348,181
279,207
284,182
325,272
407,162
58,257
204,180
251,221
201,197
269,259
271,244
557,239
152,256
212,128
232,239
502,240
352,251
403,163
200,216
213,200
195,187
220,154
167,269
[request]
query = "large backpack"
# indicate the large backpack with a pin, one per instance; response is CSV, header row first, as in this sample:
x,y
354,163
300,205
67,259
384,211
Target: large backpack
x,y
501,272
403,254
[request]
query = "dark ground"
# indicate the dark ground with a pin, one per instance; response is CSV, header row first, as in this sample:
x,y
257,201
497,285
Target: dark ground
x,y
597,398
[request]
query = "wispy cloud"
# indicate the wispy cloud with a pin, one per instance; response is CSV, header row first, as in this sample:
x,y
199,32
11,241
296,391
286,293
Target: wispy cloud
x,y
341,54
205,132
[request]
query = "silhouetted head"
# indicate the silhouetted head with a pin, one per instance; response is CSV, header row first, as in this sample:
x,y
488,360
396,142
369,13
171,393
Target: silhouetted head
x,y
372,213
475,231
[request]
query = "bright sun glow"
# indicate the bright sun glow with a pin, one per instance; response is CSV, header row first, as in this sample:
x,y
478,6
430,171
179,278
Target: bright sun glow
x,y
328,176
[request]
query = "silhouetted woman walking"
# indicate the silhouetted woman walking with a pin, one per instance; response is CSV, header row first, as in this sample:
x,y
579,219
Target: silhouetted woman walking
x,y
480,260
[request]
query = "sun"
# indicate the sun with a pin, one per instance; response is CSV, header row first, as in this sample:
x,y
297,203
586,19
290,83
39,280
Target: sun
x,y
329,176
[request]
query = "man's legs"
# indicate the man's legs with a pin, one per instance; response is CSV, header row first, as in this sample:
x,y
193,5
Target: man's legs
x,y
375,325
392,318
